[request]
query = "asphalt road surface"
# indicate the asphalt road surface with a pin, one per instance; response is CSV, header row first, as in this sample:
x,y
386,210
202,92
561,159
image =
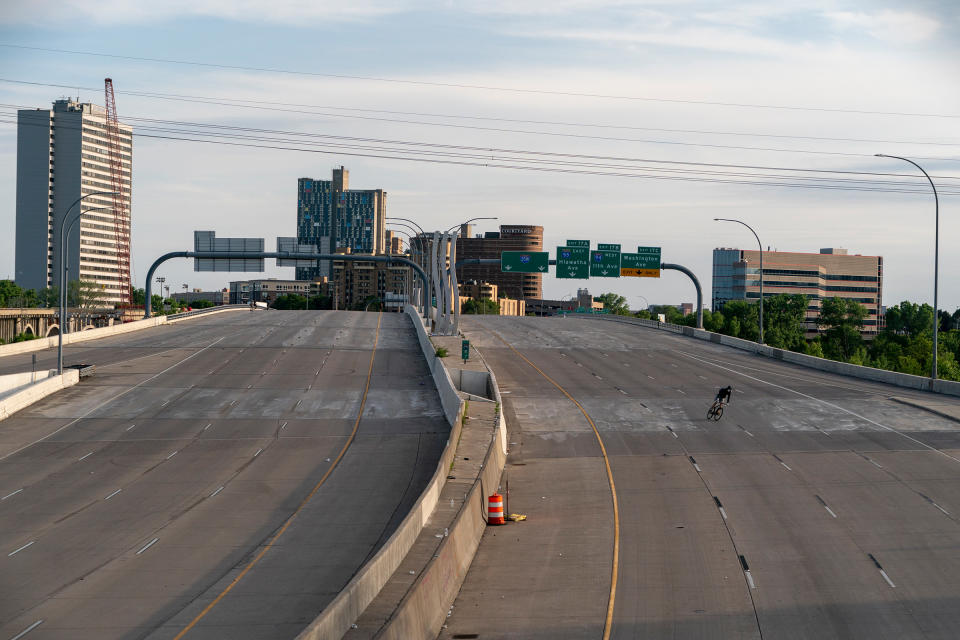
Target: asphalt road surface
x,y
817,507
175,493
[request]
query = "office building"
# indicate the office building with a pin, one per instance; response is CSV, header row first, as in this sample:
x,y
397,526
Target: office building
x,y
331,216
62,154
511,237
357,282
832,273
267,290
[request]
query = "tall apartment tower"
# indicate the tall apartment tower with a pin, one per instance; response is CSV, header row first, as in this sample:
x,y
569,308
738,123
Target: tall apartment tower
x,y
62,154
333,217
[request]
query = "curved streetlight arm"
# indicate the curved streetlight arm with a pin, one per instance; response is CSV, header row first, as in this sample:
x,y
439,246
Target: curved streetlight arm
x,y
468,222
63,269
760,246
936,256
407,220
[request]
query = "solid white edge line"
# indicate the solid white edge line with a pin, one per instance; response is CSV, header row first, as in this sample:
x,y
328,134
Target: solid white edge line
x,y
10,495
830,511
147,546
21,548
887,578
113,494
27,630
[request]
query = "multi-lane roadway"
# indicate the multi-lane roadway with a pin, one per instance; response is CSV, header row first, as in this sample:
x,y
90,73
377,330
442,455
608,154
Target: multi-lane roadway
x,y
817,507
221,477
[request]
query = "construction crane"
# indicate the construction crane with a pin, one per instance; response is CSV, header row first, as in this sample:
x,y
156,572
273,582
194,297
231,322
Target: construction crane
x,y
121,214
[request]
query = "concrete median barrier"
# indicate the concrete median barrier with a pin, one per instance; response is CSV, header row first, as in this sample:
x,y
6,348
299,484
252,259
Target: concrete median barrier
x,y
23,395
907,381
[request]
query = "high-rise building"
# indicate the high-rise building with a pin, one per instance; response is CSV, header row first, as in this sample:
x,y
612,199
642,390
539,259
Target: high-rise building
x,y
62,154
511,237
332,216
832,273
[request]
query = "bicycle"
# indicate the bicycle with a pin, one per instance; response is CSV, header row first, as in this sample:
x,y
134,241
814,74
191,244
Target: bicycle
x,y
715,412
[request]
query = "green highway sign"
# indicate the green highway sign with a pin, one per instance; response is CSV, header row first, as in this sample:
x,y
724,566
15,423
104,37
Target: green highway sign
x,y
653,256
524,261
573,262
578,243
608,247
604,264
637,265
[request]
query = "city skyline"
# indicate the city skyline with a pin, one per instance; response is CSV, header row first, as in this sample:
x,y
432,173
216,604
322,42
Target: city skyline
x,y
693,84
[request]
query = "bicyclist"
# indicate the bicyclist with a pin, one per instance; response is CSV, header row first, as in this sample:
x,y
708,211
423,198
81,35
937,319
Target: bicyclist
x,y
724,395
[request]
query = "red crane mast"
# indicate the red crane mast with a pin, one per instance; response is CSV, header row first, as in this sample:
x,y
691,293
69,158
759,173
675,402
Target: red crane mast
x,y
121,214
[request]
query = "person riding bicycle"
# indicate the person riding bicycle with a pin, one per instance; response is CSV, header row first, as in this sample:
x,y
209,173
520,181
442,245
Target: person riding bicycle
x,y
724,395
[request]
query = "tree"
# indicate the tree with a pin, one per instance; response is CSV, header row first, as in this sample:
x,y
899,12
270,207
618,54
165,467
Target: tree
x,y
713,321
83,294
844,319
614,303
740,319
484,306
783,321
320,302
644,314
909,318
290,301
201,304
138,296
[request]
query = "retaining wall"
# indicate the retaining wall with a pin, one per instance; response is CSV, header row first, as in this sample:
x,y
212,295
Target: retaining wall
x,y
79,336
905,380
336,618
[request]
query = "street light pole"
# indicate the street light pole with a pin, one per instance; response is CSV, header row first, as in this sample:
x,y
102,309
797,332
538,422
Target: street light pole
x,y
936,257
63,271
761,265
468,222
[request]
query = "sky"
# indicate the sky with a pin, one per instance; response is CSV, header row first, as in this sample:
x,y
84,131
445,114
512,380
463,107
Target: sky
x,y
619,121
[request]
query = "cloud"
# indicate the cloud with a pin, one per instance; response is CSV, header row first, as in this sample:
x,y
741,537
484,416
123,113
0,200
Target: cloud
x,y
291,12
899,27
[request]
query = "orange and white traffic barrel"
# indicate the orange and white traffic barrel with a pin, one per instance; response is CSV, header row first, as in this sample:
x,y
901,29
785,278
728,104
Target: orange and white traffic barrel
x,y
495,509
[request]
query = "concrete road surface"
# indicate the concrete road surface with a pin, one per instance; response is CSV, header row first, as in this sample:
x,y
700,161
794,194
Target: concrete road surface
x,y
178,486
815,508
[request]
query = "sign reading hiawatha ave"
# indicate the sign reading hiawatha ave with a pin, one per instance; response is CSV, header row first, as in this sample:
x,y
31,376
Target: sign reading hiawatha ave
x,y
604,264
573,262
524,261
643,264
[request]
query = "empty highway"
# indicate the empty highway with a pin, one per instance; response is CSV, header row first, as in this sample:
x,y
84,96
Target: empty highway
x,y
221,477
817,507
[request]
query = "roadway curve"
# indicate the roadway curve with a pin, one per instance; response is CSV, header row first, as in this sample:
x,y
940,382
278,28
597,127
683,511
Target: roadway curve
x,y
842,504
177,489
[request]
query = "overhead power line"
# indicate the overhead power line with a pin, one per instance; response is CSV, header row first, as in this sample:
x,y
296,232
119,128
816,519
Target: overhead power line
x,y
459,156
520,131
456,85
272,105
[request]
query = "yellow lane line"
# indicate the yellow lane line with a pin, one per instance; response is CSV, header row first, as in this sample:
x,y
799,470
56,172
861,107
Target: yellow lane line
x,y
608,622
343,451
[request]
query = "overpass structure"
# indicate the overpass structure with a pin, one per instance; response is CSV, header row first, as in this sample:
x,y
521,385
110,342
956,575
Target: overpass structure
x,y
147,500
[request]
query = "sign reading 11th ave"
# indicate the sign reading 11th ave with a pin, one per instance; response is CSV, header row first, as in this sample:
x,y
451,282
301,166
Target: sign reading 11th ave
x,y
645,263
604,264
524,261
